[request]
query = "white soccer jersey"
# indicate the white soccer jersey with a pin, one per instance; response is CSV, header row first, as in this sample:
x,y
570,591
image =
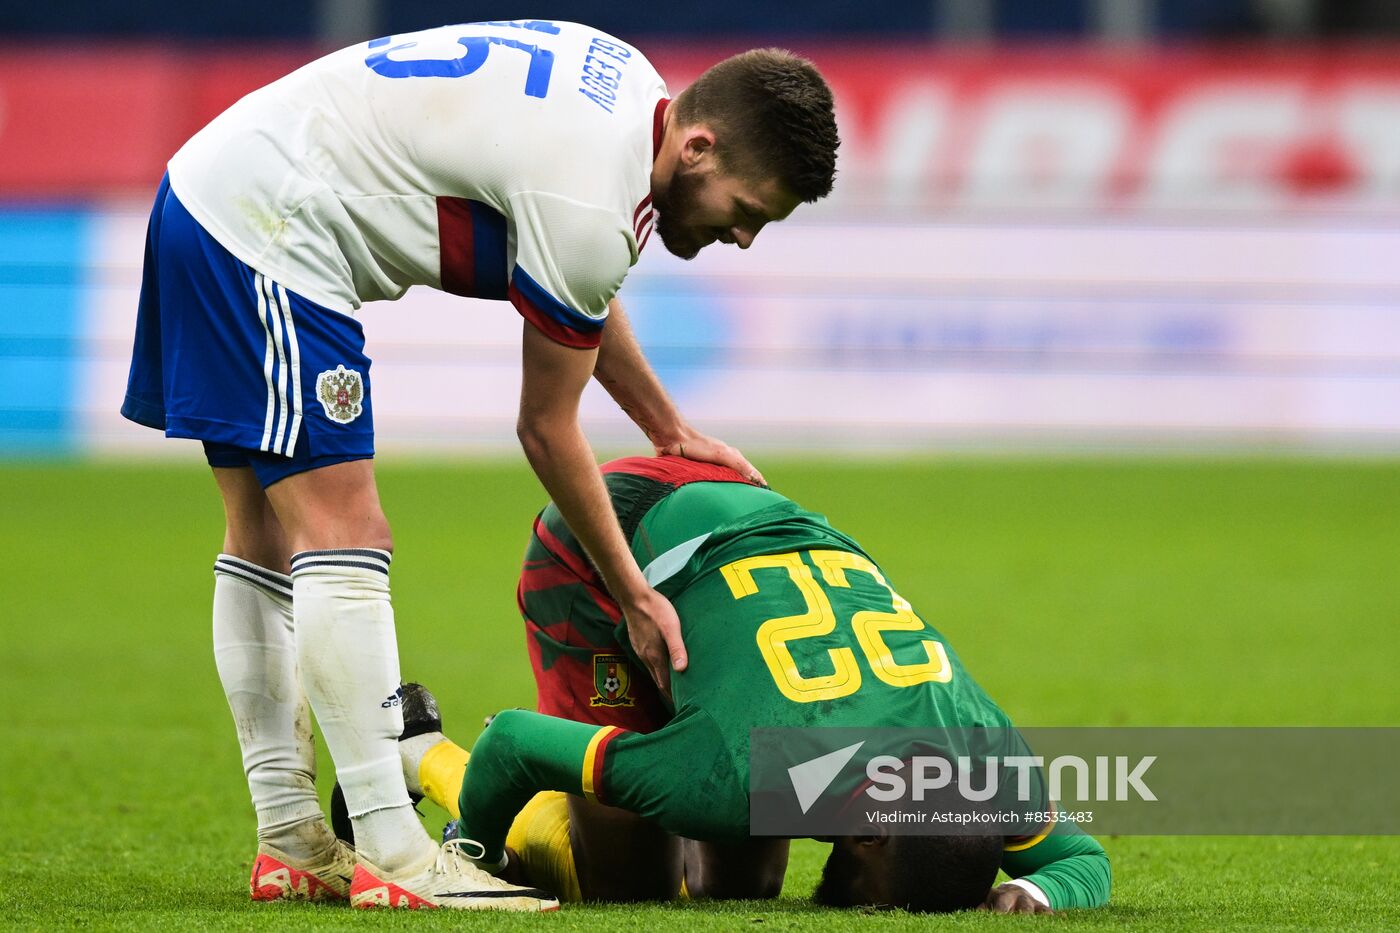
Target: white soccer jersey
x,y
507,160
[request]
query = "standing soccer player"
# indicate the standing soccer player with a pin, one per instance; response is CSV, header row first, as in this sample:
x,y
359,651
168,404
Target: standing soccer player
x,y
525,161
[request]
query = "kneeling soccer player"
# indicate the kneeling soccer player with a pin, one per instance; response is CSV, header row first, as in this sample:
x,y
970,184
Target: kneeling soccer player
x,y
661,798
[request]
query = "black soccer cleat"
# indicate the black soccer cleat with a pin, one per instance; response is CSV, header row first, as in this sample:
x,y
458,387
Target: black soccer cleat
x,y
420,711
341,825
420,716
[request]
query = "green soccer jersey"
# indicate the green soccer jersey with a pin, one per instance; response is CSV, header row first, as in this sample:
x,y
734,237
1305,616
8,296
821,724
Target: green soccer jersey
x,y
787,623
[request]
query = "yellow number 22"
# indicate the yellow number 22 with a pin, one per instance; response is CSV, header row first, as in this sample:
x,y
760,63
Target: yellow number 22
x,y
819,619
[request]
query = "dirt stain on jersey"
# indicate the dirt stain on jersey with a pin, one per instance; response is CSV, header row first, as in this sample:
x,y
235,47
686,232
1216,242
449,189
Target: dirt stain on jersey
x,y
269,223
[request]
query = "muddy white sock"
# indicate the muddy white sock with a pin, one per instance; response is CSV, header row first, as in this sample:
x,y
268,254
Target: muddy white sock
x,y
255,653
349,664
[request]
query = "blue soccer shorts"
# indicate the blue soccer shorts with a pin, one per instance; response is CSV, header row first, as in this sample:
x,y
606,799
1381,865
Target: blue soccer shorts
x,y
223,354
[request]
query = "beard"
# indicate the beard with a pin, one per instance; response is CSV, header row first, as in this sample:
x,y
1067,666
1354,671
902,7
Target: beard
x,y
672,206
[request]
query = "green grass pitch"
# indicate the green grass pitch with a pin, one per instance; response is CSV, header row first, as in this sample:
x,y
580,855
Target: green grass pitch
x,y
1230,592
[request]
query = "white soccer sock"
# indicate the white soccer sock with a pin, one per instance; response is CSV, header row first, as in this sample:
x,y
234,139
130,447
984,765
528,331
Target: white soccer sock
x,y
255,654
350,668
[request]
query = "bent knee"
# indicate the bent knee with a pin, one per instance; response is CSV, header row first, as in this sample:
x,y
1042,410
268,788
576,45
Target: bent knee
x,y
332,532
762,886
752,870
332,507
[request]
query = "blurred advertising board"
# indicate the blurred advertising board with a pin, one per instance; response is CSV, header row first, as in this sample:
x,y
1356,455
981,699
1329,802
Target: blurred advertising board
x,y
881,337
926,130
1026,246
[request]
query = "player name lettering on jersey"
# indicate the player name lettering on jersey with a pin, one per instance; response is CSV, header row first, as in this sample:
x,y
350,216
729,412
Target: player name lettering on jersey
x,y
602,72
431,158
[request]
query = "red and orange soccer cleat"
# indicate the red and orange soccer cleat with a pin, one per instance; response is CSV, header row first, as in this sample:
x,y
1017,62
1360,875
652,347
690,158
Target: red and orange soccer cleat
x,y
450,880
279,877
367,890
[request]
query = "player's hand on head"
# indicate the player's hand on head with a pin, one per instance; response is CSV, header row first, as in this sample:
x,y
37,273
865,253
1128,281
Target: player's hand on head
x,y
1013,899
713,450
655,631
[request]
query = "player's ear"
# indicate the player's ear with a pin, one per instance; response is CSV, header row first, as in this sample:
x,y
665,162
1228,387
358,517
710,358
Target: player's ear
x,y
699,146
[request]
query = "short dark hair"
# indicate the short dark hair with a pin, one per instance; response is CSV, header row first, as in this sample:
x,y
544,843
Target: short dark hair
x,y
921,874
939,874
773,116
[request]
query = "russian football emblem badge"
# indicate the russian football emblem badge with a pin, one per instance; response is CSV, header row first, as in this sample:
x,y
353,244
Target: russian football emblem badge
x,y
341,390
612,679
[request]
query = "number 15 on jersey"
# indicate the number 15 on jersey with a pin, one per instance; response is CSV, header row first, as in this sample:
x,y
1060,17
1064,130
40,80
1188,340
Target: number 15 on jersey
x,y
477,48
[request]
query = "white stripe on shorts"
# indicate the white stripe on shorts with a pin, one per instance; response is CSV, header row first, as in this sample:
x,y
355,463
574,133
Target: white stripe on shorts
x,y
275,313
267,362
294,362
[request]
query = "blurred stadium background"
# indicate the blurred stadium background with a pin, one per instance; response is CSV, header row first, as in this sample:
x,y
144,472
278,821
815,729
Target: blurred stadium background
x,y
1081,223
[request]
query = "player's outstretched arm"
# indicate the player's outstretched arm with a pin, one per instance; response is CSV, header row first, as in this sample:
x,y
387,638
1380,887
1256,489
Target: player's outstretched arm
x,y
553,379
1065,869
623,370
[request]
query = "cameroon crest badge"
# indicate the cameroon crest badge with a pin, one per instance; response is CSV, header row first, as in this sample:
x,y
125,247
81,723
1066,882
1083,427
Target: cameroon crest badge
x,y
341,391
611,681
